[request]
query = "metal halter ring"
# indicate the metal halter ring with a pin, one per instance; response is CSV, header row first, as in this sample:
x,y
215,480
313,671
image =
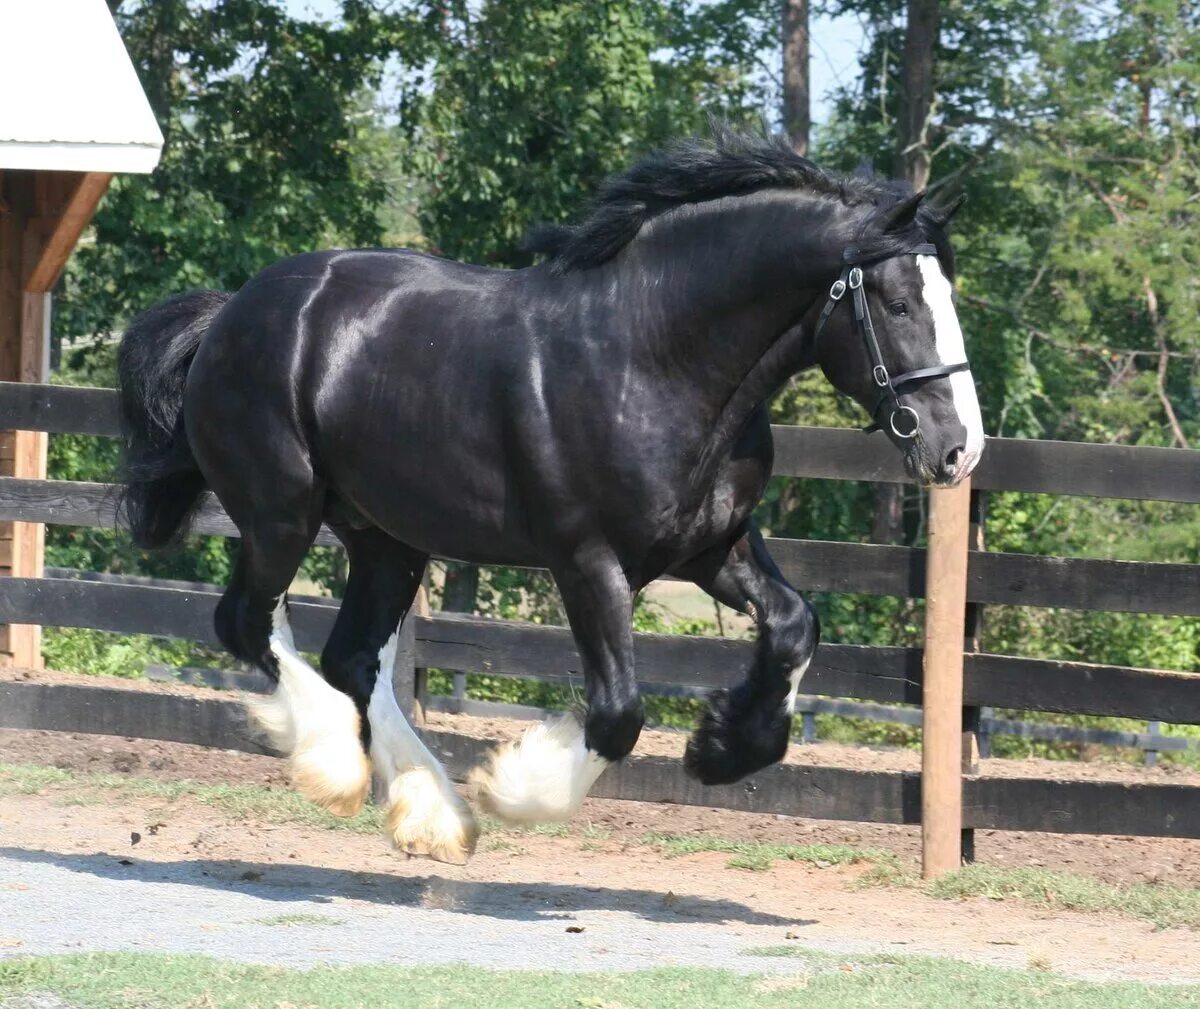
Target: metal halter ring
x,y
880,374
838,289
855,278
916,422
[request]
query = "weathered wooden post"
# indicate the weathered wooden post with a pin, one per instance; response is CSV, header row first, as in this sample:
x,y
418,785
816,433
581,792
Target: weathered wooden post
x,y
973,737
59,148
941,749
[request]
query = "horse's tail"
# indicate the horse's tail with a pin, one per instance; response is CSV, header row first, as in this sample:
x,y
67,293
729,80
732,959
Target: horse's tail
x,y
162,483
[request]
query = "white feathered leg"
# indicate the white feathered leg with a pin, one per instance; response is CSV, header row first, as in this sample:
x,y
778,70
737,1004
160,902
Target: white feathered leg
x,y
316,725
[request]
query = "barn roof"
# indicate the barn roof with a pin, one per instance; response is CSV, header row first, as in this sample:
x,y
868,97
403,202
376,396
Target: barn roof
x,y
69,97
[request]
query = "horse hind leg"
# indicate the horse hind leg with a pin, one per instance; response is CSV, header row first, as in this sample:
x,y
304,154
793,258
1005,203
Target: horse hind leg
x,y
314,724
425,816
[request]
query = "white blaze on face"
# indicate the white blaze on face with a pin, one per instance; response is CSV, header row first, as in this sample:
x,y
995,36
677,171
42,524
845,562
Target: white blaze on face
x,y
948,340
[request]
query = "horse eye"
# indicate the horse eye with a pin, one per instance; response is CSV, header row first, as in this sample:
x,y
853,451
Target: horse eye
x,y
898,308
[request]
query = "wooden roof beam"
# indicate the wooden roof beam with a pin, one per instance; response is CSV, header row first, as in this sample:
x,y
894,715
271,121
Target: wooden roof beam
x,y
58,229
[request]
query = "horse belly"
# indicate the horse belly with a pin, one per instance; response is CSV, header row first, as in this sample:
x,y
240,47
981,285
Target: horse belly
x,y
439,497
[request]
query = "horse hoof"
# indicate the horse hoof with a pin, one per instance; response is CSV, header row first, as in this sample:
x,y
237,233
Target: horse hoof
x,y
423,820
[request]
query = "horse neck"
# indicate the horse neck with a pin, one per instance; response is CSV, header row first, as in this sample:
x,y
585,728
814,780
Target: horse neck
x,y
722,290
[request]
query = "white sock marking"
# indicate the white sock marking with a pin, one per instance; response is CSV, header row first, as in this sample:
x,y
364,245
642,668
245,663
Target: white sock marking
x,y
313,722
542,778
796,676
426,816
951,349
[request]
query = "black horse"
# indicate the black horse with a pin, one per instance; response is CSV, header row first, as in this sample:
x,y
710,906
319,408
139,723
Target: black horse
x,y
601,415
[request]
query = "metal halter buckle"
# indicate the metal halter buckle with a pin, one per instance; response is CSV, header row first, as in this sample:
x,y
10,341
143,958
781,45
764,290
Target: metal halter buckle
x,y
856,277
916,422
880,374
838,289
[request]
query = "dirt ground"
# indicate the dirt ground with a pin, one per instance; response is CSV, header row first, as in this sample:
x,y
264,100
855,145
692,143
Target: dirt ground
x,y
1118,859
572,877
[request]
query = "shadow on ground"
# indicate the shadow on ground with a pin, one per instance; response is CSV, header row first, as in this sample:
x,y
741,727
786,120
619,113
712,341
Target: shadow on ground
x,y
510,901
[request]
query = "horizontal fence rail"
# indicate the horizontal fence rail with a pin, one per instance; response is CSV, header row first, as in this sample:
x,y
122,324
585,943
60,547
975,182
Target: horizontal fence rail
x,y
1011,464
826,793
886,675
253,681
811,565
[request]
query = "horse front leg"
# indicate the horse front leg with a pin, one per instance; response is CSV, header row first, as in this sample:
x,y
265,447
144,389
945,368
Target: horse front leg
x,y
746,728
545,776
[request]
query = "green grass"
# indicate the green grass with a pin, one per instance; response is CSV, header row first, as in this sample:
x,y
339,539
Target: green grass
x,y
760,855
1163,905
126,981
291,920
243,801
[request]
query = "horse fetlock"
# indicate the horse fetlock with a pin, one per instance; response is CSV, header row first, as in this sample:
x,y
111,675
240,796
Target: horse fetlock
x,y
426,817
332,771
542,778
612,731
736,737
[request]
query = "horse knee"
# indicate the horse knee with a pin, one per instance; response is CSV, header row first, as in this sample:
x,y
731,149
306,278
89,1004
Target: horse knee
x,y
612,729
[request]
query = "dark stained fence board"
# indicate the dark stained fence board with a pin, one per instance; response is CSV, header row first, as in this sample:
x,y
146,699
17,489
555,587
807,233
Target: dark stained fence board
x,y
1044,467
59,409
812,565
1084,584
834,566
1017,464
836,454
136,609
143,714
818,792
511,648
1082,807
1014,579
1081,688
1137,472
77,503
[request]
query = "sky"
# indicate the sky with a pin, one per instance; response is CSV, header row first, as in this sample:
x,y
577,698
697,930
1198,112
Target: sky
x,y
834,44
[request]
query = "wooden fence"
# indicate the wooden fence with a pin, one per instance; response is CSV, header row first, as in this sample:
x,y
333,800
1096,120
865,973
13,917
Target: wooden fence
x,y
882,675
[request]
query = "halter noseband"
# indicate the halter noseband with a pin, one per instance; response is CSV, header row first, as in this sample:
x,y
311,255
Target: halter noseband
x,y
903,420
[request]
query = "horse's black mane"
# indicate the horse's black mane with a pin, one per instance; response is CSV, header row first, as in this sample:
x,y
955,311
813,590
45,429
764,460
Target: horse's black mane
x,y
693,170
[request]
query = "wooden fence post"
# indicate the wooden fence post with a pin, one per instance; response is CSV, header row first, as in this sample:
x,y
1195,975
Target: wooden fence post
x,y
941,745
404,668
972,742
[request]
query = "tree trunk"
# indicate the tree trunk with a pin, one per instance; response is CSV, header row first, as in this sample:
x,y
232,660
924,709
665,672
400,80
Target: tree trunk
x,y
797,113
460,588
913,159
887,517
917,92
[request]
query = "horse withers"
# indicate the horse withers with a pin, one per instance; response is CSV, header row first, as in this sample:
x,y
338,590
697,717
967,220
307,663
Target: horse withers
x,y
602,415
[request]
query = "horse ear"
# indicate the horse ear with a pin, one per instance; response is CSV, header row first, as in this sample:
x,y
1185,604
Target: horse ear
x,y
941,215
903,213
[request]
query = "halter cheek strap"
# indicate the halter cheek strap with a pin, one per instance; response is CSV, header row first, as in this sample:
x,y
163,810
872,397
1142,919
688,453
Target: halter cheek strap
x,y
903,420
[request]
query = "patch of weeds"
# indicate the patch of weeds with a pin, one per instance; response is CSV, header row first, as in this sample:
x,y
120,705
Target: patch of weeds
x,y
289,920
241,801
22,972
1164,905
759,856
546,829
493,842
27,779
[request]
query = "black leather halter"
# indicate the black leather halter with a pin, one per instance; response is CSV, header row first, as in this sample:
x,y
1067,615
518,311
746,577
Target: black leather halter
x,y
903,420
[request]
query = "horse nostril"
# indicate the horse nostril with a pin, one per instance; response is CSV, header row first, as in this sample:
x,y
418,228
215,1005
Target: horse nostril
x,y
953,457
